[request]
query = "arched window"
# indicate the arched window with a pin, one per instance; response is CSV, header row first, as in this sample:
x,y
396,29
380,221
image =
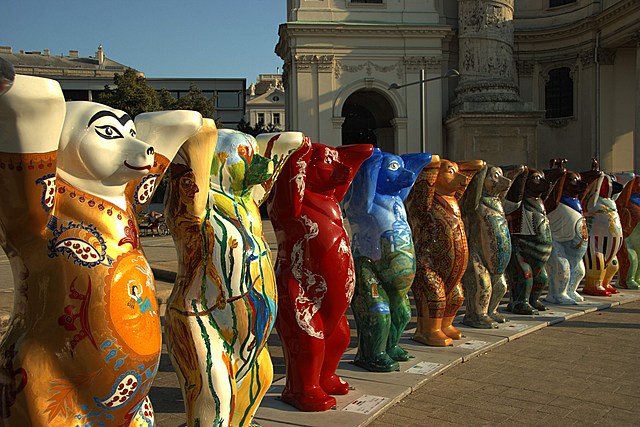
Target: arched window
x,y
554,3
558,93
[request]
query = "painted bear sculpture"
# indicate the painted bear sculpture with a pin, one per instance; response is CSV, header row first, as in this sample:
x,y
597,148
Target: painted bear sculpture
x,y
483,208
565,266
441,247
314,269
531,241
84,341
605,232
628,204
383,255
223,305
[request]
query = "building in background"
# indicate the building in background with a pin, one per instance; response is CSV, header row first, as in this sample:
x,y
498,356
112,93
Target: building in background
x,y
83,78
538,78
265,101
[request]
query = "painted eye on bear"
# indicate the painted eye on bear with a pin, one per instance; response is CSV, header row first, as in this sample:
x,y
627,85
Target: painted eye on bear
x,y
393,166
132,133
108,132
328,160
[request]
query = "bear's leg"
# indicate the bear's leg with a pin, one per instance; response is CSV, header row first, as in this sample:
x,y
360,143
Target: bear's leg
x,y
611,270
594,261
633,275
370,306
498,290
577,274
207,390
397,276
559,271
521,280
624,265
428,291
455,299
304,355
477,289
335,345
540,282
251,390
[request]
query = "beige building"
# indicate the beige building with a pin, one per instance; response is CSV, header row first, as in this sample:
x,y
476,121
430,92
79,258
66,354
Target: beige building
x,y
265,101
538,79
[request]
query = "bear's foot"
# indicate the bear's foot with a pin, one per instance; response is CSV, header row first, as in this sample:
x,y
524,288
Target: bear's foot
x,y
521,307
434,339
596,292
500,318
575,296
398,354
562,298
480,321
610,289
380,362
334,385
311,400
538,305
629,284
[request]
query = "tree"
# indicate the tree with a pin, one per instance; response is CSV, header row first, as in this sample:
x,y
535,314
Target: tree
x,y
132,94
258,128
167,101
196,101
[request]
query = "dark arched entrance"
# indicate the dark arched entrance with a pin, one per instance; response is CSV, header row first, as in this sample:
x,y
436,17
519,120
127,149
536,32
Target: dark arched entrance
x,y
367,120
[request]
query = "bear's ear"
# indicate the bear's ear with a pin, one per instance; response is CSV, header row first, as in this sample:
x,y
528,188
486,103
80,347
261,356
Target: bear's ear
x,y
420,198
414,162
352,156
471,199
166,131
362,192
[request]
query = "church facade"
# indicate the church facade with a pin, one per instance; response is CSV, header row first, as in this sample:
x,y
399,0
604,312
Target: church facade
x,y
537,79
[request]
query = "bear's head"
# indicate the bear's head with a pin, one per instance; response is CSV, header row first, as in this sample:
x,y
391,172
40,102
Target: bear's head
x,y
574,186
495,182
326,171
450,180
536,184
237,166
98,147
393,176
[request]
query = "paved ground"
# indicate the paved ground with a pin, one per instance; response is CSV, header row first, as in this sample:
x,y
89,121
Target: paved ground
x,y
582,371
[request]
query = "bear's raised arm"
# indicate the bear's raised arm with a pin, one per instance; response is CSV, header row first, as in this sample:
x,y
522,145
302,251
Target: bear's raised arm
x,y
32,112
288,190
278,147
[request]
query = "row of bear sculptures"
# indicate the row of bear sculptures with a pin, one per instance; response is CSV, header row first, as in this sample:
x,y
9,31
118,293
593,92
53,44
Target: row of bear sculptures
x,y
84,342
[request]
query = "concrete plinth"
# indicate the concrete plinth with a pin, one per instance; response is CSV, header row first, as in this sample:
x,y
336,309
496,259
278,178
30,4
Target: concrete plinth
x,y
498,137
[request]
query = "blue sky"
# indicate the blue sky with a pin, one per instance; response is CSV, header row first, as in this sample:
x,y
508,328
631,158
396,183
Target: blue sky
x,y
162,38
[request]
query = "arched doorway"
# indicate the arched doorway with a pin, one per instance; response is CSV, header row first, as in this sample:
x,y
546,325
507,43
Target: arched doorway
x,y
367,120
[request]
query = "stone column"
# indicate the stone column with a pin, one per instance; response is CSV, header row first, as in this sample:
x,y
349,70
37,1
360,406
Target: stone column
x,y
487,120
487,68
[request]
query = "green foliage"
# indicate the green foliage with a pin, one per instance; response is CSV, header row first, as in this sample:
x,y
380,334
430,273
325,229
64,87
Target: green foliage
x,y
132,94
258,128
196,101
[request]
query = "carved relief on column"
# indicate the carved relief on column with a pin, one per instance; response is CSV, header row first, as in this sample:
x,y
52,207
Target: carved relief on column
x,y
525,68
487,67
606,56
303,63
416,63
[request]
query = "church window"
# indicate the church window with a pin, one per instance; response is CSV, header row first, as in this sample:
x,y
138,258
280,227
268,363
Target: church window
x,y
260,118
558,93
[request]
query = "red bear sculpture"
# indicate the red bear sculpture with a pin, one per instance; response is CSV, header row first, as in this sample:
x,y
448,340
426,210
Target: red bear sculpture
x,y
314,270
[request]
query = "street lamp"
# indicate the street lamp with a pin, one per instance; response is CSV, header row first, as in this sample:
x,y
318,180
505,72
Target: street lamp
x,y
423,99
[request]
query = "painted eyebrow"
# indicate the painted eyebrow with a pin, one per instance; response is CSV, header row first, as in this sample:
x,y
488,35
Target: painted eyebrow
x,y
106,113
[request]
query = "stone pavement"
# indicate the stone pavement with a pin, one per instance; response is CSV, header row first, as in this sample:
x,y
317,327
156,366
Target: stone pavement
x,y
580,371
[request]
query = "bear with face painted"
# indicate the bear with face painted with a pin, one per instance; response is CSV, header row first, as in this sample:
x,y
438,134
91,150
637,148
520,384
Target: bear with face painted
x,y
223,305
315,270
441,247
605,231
83,346
384,256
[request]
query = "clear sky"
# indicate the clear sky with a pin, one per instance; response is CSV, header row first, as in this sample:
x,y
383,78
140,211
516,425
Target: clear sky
x,y
162,38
